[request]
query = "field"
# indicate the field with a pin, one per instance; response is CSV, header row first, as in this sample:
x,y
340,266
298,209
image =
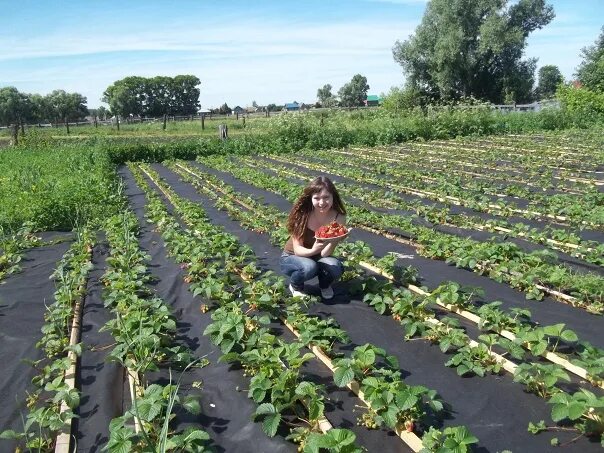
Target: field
x,y
149,299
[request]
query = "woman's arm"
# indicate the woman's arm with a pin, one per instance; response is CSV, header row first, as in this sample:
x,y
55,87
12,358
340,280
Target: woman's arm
x,y
300,250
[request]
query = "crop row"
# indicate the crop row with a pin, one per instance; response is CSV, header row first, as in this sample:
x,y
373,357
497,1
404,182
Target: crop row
x,y
144,332
444,183
500,261
51,404
360,367
470,357
558,239
585,211
543,340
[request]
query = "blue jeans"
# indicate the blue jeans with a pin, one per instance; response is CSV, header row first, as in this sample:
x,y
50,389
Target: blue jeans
x,y
300,269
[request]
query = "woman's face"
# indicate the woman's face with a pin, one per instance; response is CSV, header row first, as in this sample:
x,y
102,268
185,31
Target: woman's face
x,y
322,201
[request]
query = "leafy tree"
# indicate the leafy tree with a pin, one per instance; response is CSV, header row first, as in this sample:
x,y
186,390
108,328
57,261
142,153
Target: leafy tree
x,y
15,106
66,106
549,79
154,96
354,93
185,95
40,110
224,109
325,96
127,96
402,99
473,48
102,113
273,108
591,71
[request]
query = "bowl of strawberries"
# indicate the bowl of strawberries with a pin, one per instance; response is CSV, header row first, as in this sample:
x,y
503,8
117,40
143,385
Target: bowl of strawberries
x,y
332,232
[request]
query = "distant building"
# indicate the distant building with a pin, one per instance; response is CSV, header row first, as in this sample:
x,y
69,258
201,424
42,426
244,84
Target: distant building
x,y
373,100
238,110
292,107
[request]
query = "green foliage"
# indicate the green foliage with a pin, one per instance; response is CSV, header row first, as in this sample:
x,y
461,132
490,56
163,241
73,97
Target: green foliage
x,y
581,101
56,189
540,379
591,70
154,96
453,439
399,100
354,93
549,79
462,49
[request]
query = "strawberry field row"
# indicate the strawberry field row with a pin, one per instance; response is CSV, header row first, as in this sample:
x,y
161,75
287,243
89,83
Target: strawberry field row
x,y
343,377
449,296
529,374
589,251
502,262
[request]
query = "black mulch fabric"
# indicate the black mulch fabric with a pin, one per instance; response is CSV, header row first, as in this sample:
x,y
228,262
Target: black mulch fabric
x,y
494,408
342,408
101,382
226,411
23,297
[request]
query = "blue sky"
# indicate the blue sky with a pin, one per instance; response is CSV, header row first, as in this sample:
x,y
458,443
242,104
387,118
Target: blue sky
x,y
267,51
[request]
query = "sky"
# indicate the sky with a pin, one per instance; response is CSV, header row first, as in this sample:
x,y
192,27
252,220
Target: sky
x,y
268,51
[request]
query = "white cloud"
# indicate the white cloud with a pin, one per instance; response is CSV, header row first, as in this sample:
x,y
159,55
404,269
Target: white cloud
x,y
266,63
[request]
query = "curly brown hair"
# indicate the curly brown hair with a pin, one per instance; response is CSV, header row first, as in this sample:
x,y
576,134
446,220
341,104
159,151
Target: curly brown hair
x,y
298,216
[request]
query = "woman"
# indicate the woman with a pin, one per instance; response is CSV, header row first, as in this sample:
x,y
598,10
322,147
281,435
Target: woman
x,y
305,257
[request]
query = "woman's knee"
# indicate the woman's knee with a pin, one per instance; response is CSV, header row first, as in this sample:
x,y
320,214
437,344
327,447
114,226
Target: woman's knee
x,y
305,266
332,265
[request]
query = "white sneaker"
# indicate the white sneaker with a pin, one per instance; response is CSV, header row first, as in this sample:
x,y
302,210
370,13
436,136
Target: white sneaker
x,y
295,292
327,293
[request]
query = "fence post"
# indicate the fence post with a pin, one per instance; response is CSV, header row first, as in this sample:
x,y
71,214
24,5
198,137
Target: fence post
x,y
165,119
14,132
117,118
223,131
67,125
203,117
22,127
96,123
244,122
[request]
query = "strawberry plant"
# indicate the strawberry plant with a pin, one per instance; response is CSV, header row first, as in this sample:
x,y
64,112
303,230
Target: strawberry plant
x,y
453,439
540,379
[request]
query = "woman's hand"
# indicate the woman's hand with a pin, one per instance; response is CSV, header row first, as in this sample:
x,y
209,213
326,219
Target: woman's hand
x,y
318,246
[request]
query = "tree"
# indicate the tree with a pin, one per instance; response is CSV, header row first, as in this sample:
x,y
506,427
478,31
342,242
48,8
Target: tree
x,y
473,48
66,106
15,107
549,79
325,96
127,96
399,100
155,96
354,93
102,113
224,109
591,70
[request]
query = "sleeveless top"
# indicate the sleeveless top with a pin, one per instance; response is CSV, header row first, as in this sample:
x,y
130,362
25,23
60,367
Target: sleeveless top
x,y
308,240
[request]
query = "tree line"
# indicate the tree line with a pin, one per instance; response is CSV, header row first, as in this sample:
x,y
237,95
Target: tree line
x,y
59,106
137,96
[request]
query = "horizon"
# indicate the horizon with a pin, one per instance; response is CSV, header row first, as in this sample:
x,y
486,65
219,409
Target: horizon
x,y
273,52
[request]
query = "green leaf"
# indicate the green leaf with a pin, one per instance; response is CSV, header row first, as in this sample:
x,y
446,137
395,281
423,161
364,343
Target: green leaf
x,y
569,336
271,423
9,434
191,405
343,376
